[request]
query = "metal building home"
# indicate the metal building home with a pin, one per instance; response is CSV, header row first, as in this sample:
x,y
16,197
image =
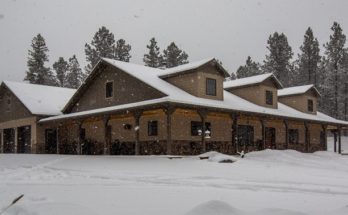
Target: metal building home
x,y
124,108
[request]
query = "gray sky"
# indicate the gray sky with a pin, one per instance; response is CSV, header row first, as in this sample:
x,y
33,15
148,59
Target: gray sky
x,y
229,30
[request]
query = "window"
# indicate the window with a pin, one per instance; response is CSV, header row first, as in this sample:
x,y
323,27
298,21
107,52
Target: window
x,y
211,87
152,128
269,97
245,135
310,105
293,136
109,89
196,126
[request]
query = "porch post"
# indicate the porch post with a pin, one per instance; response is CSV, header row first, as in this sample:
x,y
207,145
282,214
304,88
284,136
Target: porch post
x,y
335,141
325,135
2,141
235,131
137,115
57,137
79,141
339,140
15,140
203,114
307,137
169,111
106,119
286,134
263,130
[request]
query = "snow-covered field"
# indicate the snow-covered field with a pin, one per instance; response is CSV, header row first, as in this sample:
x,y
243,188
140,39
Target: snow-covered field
x,y
267,182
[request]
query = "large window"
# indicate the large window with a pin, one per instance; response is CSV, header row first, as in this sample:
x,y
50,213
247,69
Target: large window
x,y
269,97
152,128
310,105
245,135
293,136
109,89
197,126
211,87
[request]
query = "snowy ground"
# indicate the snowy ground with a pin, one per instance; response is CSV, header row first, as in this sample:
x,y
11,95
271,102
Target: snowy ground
x,y
268,182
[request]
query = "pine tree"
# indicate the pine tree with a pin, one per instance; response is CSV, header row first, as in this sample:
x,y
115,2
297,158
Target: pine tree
x,y
37,72
309,59
61,68
250,68
278,60
102,45
173,56
153,58
122,51
75,76
335,52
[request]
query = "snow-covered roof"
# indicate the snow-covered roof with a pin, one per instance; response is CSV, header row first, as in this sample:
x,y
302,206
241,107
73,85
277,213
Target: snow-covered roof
x,y
151,76
242,82
190,66
40,99
297,90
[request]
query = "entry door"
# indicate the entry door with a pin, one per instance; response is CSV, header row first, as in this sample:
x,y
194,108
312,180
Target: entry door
x,y
270,138
24,139
51,141
9,140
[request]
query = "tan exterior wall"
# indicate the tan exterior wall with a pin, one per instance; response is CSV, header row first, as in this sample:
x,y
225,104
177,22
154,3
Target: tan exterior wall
x,y
280,131
195,82
299,102
24,122
257,94
14,110
126,89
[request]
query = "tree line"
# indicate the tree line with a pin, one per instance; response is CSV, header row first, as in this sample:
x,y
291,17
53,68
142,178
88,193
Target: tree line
x,y
328,72
68,73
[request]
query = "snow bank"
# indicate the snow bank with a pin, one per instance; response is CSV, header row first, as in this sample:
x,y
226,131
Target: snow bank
x,y
217,157
214,207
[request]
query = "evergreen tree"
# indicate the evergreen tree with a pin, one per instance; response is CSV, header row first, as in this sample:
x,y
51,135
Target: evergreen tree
x,y
335,53
309,59
250,68
153,58
122,51
37,72
278,60
61,68
102,45
75,76
173,56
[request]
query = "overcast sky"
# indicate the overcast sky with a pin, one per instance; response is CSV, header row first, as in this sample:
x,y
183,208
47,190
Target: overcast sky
x,y
229,30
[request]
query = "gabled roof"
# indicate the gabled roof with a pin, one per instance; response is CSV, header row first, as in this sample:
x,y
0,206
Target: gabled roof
x,y
40,99
290,91
191,66
253,80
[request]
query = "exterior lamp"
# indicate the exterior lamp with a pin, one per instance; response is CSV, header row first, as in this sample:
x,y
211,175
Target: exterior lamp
x,y
207,134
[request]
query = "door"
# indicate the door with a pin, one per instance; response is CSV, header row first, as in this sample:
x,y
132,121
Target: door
x,y
9,140
51,141
270,138
24,139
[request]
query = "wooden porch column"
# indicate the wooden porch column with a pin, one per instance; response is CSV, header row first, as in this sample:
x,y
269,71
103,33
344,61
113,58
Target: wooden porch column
x,y
325,135
286,124
335,140
137,115
263,131
57,137
169,111
235,131
339,140
106,119
307,137
2,141
79,141
203,114
15,140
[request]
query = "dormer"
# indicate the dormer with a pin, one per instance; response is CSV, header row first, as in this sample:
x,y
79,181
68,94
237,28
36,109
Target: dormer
x,y
202,79
259,89
302,98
